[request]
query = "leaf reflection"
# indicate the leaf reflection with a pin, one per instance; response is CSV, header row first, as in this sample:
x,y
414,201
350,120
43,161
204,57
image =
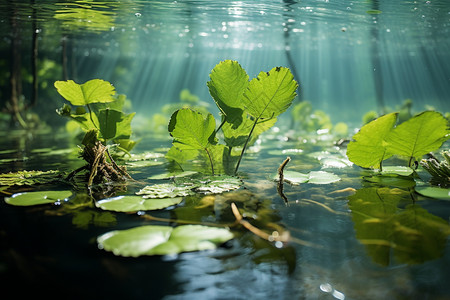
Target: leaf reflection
x,y
388,222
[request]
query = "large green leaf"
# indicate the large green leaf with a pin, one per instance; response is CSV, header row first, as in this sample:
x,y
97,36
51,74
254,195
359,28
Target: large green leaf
x,y
135,203
114,124
419,135
163,240
271,93
192,129
368,148
92,91
36,198
227,85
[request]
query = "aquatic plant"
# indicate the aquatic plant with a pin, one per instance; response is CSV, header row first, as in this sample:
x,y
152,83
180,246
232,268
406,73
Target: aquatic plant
x,y
100,114
439,170
379,139
247,108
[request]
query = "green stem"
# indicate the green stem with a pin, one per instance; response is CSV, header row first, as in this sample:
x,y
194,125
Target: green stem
x,y
210,161
245,146
90,116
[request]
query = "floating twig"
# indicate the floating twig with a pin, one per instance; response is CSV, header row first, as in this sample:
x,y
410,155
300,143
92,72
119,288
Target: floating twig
x,y
281,179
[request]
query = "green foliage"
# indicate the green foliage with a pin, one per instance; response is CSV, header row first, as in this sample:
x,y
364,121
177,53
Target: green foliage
x,y
162,240
314,177
247,108
379,139
97,108
440,171
434,192
130,203
37,198
29,177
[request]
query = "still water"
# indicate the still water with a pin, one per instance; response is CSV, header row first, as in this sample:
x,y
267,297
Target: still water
x,y
349,57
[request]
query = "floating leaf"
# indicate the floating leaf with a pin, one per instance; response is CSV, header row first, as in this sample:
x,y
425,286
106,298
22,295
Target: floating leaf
x,y
36,198
29,177
169,175
389,180
163,240
397,170
419,135
92,91
368,148
218,184
136,203
434,192
314,177
165,190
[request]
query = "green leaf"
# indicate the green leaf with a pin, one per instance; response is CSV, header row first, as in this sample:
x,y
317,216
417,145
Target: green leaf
x,y
192,129
397,170
136,203
92,91
271,93
29,177
165,190
227,85
368,148
314,177
434,192
114,124
163,240
419,135
36,198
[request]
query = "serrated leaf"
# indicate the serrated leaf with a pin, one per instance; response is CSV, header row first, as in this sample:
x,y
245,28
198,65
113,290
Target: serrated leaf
x,y
192,129
92,91
29,177
163,240
419,135
37,198
271,93
165,190
368,148
227,85
130,203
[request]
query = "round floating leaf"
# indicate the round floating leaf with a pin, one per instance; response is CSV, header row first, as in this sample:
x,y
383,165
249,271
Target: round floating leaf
x,y
163,240
168,175
315,177
218,184
397,181
322,177
165,190
397,170
434,192
36,198
136,203
293,177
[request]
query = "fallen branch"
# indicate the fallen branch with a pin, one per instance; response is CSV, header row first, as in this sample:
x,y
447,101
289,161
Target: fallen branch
x,y
281,179
274,237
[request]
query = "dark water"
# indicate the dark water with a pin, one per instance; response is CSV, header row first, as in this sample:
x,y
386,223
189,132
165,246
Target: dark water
x,y
349,57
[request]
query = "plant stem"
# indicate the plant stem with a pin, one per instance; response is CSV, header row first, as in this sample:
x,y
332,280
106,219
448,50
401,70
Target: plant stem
x,y
210,161
245,146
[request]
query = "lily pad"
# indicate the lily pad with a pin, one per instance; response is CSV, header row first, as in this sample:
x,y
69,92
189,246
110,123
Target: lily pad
x,y
36,198
163,240
169,175
218,184
131,203
434,192
314,177
165,190
396,181
29,177
397,170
